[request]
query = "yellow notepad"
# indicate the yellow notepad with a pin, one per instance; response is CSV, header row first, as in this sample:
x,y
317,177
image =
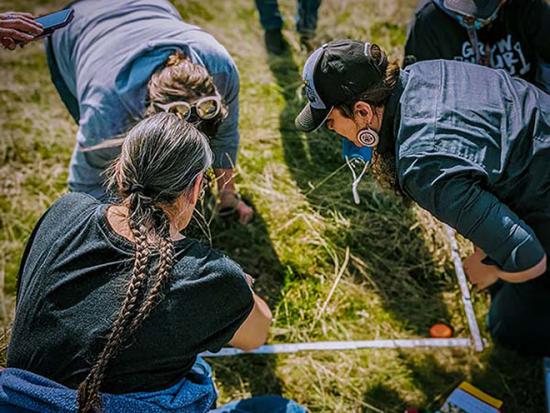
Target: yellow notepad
x,y
469,399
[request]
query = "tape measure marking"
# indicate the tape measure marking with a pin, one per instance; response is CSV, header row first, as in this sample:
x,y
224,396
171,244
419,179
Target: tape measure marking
x,y
344,345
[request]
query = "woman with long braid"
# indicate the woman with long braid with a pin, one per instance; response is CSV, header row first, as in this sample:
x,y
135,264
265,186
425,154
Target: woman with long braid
x,y
114,304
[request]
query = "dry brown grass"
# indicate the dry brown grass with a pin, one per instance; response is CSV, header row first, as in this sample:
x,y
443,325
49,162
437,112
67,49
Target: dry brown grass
x,y
398,279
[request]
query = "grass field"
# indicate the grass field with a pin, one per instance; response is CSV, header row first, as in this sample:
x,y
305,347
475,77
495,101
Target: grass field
x,y
397,281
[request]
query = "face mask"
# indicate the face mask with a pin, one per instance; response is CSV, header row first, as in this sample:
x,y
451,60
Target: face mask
x,y
467,21
358,160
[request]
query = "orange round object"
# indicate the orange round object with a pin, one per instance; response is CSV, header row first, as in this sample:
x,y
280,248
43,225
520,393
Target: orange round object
x,y
441,330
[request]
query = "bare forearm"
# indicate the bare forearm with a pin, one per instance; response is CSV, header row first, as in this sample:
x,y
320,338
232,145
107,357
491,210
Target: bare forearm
x,y
483,275
229,199
526,275
255,329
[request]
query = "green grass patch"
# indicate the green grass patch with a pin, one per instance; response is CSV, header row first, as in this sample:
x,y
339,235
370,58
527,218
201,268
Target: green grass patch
x,y
397,281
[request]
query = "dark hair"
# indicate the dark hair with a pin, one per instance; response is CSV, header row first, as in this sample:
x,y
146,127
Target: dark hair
x,y
382,167
182,80
160,160
379,93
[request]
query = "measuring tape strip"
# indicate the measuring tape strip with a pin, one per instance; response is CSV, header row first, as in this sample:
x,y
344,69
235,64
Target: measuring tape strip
x,y
344,345
477,342
466,299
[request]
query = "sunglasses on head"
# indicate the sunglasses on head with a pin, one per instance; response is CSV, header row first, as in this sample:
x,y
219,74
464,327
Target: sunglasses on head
x,y
205,108
476,23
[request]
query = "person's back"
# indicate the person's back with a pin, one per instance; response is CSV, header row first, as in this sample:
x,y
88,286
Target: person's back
x,y
114,305
493,128
473,148
71,284
100,57
516,40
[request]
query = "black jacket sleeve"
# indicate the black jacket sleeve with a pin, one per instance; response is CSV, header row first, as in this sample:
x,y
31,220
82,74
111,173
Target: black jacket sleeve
x,y
537,27
422,43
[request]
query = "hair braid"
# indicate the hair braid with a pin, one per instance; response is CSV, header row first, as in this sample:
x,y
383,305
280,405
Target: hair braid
x,y
154,294
88,391
160,161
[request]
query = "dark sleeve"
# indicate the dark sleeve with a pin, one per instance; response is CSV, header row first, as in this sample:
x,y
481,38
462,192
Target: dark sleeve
x,y
422,39
537,26
28,247
536,23
68,207
452,190
226,301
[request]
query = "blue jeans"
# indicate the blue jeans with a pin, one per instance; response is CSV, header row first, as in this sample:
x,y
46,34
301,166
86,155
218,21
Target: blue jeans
x,y
261,404
258,404
306,15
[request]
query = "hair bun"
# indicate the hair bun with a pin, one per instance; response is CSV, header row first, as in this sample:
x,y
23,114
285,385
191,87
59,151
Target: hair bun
x,y
175,58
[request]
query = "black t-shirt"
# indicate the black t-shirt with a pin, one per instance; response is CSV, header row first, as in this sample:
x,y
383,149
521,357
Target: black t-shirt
x,y
518,40
72,282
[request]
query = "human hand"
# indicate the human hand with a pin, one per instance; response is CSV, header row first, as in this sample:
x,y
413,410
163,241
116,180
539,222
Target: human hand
x,y
18,28
479,274
231,202
245,212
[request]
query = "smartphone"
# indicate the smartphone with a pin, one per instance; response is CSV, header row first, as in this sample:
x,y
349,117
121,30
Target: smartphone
x,y
54,21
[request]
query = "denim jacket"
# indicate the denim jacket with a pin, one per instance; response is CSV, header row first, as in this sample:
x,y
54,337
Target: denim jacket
x,y
472,147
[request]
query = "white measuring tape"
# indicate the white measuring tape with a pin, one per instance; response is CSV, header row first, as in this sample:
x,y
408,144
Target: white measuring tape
x,y
476,341
466,299
345,345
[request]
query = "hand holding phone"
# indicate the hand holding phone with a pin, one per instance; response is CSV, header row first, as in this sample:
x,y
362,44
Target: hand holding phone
x,y
18,28
53,21
21,28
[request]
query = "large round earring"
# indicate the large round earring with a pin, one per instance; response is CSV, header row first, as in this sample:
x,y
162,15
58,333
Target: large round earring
x,y
367,137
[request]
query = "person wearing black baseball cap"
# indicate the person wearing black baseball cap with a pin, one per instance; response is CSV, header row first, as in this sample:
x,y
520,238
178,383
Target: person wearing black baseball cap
x,y
469,144
502,34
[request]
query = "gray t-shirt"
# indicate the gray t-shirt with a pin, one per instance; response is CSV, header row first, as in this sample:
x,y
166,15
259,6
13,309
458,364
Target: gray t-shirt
x,y
108,53
72,282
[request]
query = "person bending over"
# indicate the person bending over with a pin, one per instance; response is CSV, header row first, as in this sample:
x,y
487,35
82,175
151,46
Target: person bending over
x,y
114,305
469,144
119,61
503,34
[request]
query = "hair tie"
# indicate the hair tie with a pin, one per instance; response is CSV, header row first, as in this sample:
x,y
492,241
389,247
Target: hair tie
x,y
136,188
146,200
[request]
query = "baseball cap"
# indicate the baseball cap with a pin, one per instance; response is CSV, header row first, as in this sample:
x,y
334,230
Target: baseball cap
x,y
481,9
334,74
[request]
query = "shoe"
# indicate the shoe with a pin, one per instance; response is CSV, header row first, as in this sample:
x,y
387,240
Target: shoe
x,y
274,41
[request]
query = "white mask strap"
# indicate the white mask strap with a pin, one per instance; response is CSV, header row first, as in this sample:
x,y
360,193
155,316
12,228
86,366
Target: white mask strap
x,y
356,179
